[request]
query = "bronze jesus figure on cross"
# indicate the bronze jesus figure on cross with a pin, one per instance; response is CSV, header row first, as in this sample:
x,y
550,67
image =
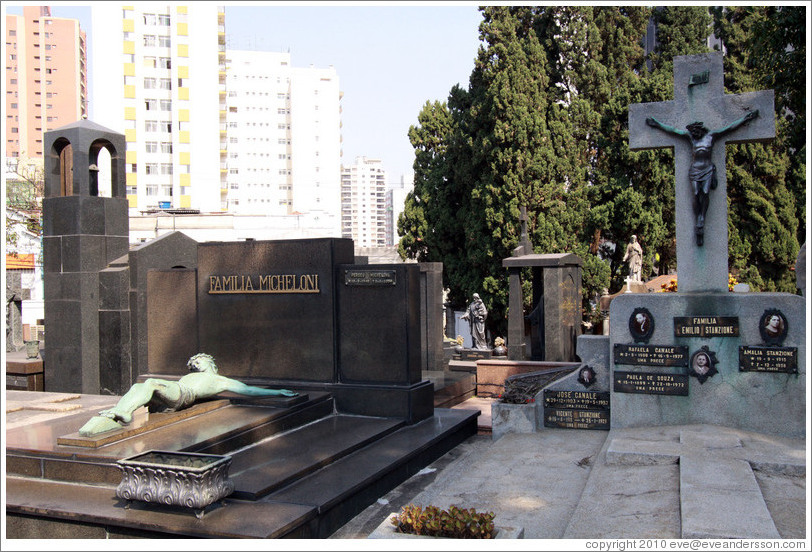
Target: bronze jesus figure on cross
x,y
702,173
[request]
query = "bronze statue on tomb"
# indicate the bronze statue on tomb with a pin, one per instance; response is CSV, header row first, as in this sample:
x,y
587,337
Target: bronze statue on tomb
x,y
702,173
161,395
476,315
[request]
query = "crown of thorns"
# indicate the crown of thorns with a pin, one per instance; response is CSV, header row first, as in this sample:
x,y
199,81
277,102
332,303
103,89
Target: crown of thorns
x,y
207,363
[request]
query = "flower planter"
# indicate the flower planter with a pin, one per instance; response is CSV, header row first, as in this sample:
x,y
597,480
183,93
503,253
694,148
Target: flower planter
x,y
387,531
184,479
32,349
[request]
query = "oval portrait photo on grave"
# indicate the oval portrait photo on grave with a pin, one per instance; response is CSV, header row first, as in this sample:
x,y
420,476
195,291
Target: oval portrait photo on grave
x,y
641,324
586,376
773,327
703,364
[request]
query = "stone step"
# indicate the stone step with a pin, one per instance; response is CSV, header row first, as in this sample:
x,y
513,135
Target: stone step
x,y
219,431
314,506
341,490
268,465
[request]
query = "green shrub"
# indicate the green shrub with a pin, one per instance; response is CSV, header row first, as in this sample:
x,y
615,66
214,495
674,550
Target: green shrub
x,y
455,523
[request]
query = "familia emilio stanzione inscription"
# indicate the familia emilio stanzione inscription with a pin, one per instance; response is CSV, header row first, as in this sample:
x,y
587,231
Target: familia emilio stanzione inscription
x,y
264,283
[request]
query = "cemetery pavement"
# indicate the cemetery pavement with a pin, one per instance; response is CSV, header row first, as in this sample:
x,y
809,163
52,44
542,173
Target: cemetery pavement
x,y
584,484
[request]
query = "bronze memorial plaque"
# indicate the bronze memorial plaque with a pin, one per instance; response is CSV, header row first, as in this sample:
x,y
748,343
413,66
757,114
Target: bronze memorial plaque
x,y
356,277
706,326
651,355
651,384
768,359
576,409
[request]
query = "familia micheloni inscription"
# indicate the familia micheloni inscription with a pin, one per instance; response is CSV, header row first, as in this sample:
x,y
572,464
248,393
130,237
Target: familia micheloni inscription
x,y
264,283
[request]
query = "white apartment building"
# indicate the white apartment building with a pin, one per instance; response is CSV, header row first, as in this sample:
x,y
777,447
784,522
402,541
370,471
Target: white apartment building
x,y
363,202
395,203
284,140
159,78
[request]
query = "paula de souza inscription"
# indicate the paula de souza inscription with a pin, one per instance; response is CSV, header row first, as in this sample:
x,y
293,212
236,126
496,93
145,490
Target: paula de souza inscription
x,y
264,283
768,359
706,326
651,384
651,355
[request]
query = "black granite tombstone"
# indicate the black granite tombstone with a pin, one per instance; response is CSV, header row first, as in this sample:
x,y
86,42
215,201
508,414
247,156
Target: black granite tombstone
x,y
298,314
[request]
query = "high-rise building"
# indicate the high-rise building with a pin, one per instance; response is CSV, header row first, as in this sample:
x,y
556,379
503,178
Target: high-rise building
x,y
395,203
46,78
363,202
160,78
284,139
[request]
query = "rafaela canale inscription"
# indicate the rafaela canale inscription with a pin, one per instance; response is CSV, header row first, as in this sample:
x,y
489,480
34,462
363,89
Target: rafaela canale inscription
x,y
651,355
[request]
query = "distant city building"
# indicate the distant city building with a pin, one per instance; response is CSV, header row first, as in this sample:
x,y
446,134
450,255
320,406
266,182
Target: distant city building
x,y
363,202
284,139
46,78
395,201
160,79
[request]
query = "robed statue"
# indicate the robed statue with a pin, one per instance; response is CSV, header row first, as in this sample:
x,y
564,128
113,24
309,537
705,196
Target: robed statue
x,y
476,315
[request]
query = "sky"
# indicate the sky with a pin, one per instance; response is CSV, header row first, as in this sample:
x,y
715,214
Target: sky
x,y
390,57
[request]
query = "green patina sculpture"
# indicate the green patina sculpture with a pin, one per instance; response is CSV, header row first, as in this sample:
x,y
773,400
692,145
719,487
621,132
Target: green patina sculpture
x,y
202,382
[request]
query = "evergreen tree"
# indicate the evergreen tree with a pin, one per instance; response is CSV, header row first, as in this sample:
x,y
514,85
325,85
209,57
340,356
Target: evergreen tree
x,y
762,216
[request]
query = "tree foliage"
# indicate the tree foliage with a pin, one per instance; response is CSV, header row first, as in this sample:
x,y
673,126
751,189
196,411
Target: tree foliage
x,y
24,191
543,123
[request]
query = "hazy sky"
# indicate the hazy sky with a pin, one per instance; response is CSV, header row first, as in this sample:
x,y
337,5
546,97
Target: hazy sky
x,y
390,58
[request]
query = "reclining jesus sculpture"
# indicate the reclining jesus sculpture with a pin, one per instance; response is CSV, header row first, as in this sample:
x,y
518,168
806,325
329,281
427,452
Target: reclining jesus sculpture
x,y
202,382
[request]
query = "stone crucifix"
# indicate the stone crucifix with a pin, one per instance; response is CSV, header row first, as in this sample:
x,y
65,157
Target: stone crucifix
x,y
697,124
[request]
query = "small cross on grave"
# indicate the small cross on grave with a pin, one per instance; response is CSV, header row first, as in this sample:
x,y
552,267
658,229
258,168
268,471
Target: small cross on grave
x,y
716,474
697,124
524,247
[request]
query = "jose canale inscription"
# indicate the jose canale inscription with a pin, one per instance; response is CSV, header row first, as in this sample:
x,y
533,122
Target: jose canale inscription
x,y
706,326
264,283
576,409
651,384
651,355
768,359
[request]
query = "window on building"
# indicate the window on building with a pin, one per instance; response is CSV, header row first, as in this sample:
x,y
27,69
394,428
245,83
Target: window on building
x,y
150,61
164,41
150,82
151,168
165,63
151,147
165,126
149,19
166,168
166,105
151,190
151,126
163,20
166,147
151,104
149,40
166,84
